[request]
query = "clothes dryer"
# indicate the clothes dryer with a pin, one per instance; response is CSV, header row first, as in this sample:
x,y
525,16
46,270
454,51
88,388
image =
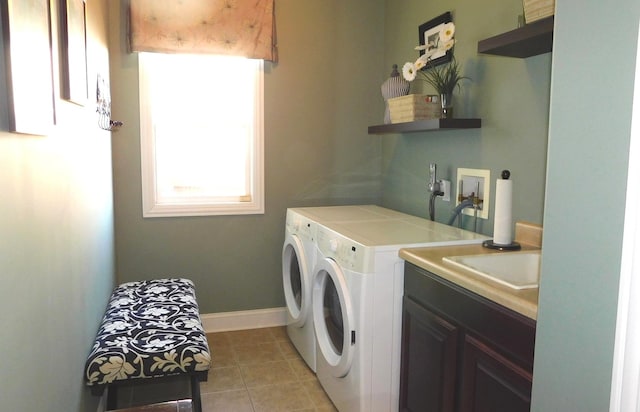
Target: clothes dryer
x,y
298,260
358,284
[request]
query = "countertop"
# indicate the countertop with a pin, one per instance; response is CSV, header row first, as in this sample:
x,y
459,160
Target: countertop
x,y
524,301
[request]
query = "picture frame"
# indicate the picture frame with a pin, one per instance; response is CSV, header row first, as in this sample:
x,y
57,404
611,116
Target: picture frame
x,y
73,32
429,32
26,26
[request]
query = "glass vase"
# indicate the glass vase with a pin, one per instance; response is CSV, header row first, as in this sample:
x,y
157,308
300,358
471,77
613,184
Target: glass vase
x,y
446,103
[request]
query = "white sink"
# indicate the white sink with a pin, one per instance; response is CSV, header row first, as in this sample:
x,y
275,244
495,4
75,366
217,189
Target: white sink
x,y
517,270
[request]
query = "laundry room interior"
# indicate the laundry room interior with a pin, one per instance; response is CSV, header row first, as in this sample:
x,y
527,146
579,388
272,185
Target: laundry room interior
x,y
560,122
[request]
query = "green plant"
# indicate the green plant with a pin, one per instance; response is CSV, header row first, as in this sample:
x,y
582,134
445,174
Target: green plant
x,y
443,78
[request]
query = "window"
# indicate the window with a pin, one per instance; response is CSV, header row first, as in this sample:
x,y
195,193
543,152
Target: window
x,y
201,129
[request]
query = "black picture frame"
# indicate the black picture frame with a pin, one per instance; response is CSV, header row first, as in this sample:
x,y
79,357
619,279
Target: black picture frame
x,y
430,30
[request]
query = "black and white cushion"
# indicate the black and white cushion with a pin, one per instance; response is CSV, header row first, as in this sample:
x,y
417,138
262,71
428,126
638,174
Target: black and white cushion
x,y
150,329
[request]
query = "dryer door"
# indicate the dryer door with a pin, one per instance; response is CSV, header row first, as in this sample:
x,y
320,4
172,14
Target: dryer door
x,y
333,317
295,277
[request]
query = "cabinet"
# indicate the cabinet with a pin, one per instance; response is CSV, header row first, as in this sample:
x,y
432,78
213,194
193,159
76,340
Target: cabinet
x,y
462,352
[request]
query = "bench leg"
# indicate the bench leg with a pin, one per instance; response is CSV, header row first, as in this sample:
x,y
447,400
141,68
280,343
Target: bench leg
x,y
195,394
112,397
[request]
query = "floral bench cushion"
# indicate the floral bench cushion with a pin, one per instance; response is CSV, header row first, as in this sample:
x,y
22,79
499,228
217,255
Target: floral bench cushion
x,y
151,328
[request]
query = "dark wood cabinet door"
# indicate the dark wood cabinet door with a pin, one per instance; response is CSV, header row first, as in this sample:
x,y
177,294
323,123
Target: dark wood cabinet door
x,y
492,383
428,371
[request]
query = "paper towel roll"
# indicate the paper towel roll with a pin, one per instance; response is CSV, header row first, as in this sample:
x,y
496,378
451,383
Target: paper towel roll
x,y
502,227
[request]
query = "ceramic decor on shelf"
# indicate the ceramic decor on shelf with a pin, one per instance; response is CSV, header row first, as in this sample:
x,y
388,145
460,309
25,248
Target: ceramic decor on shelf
x,y
394,86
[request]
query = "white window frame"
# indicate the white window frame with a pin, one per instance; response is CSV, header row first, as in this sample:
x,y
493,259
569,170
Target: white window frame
x,y
151,206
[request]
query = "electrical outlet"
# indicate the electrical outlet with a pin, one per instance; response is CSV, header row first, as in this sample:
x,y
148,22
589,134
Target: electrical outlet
x,y
445,188
474,184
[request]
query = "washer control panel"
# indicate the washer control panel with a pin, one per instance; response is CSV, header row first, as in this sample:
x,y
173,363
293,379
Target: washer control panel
x,y
346,252
299,225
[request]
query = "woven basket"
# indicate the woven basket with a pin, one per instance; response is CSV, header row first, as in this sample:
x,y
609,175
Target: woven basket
x,y
414,107
538,9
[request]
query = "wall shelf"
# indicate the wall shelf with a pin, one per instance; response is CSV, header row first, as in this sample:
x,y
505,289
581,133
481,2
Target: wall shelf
x,y
430,125
530,40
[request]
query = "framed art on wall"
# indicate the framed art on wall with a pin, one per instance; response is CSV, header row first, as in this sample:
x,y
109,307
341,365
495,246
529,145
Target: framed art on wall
x,y
429,34
27,43
74,50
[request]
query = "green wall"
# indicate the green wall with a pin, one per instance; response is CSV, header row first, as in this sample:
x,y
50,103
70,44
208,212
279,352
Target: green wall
x,y
510,95
319,99
56,244
323,94
589,134
574,184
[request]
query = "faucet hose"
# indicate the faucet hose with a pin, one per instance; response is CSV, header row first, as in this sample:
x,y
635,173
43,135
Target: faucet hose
x,y
432,203
458,209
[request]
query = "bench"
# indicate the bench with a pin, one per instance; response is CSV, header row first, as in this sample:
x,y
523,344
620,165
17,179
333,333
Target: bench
x,y
151,330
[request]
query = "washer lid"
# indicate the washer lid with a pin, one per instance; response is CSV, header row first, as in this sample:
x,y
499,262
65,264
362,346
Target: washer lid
x,y
404,233
351,213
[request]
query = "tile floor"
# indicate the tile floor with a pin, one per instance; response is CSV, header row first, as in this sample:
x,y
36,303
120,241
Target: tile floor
x,y
259,370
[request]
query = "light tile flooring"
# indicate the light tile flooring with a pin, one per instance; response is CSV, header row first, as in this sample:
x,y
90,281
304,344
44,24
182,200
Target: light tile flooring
x,y
259,370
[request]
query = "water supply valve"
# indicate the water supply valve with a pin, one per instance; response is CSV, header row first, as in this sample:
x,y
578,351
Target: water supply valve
x,y
434,184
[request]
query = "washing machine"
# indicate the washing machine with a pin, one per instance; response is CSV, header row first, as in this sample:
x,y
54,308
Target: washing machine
x,y
298,260
358,283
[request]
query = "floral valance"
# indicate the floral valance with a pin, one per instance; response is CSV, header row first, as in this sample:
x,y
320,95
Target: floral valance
x,y
229,27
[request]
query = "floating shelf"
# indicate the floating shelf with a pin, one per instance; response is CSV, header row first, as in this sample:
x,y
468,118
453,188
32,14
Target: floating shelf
x,y
530,40
430,125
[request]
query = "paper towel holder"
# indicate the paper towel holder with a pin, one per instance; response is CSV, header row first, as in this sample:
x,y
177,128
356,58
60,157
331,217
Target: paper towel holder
x,y
497,246
491,245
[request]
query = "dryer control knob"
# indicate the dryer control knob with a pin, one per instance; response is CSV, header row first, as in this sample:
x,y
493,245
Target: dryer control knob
x,y
333,245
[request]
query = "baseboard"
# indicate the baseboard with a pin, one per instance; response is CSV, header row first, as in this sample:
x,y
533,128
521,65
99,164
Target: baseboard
x,y
244,319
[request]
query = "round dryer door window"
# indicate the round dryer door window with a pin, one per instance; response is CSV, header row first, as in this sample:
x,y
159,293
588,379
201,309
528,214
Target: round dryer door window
x,y
333,317
295,278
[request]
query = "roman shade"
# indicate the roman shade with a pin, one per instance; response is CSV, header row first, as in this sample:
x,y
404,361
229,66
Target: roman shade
x,y
228,27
